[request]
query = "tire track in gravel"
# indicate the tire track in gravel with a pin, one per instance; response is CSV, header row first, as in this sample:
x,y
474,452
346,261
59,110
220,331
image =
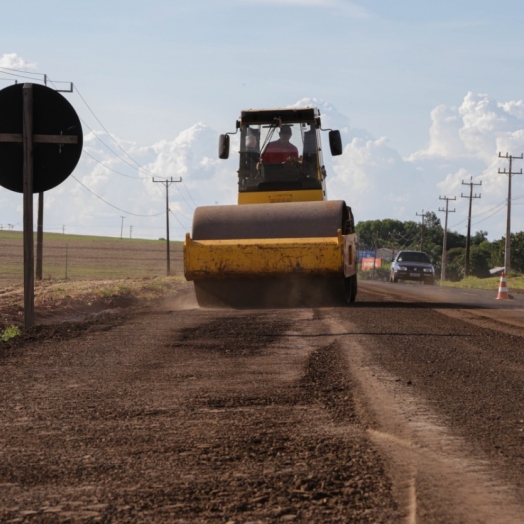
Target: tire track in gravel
x,y
444,405
187,416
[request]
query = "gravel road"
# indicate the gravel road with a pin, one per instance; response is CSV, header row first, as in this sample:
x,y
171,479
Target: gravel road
x,y
388,411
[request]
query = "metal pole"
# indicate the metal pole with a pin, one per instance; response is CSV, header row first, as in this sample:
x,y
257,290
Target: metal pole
x,y
66,262
468,238
167,183
40,237
167,231
421,230
445,242
122,227
29,261
507,247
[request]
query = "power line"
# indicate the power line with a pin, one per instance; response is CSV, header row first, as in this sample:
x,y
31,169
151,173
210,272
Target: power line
x,y
20,76
494,213
111,169
140,167
115,207
176,218
20,71
110,136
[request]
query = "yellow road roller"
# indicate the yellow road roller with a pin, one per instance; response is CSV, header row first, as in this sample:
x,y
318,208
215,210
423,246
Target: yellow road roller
x,y
285,244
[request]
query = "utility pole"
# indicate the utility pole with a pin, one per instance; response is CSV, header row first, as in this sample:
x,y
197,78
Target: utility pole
x,y
130,231
10,226
423,215
445,242
63,230
167,183
507,248
122,227
66,261
468,238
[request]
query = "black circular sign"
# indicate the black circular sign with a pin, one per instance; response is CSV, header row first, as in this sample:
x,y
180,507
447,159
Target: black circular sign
x,y
52,115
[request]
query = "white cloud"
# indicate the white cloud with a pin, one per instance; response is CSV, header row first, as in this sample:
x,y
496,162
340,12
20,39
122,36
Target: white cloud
x,y
475,129
13,61
371,175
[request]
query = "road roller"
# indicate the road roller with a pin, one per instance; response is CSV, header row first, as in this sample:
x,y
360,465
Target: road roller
x,y
284,244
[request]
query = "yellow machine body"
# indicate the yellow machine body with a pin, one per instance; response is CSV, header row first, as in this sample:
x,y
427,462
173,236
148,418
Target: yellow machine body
x,y
283,230
272,197
212,259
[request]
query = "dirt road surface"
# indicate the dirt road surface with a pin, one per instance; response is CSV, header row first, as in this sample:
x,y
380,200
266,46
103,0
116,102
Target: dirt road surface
x,y
394,410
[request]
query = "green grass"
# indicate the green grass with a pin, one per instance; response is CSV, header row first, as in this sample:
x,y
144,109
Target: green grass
x,y
513,283
83,238
9,333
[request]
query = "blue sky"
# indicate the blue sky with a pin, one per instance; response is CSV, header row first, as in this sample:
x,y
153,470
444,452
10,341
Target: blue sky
x,y
151,71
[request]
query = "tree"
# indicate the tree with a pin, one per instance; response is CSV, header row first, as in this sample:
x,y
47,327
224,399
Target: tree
x,y
479,237
517,252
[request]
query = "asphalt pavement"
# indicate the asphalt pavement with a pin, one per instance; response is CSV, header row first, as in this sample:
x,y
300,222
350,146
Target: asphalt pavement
x,y
465,298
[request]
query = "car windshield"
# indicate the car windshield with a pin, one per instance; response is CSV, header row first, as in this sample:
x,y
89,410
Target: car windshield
x,y
279,157
414,257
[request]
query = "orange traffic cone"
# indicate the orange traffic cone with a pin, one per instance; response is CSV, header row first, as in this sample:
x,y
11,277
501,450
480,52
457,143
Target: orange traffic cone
x,y
503,290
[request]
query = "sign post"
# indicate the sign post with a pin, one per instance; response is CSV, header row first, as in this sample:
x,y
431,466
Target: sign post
x,y
29,270
40,145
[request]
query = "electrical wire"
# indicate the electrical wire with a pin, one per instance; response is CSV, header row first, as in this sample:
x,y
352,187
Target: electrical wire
x,y
110,136
109,204
140,167
131,165
489,216
111,169
176,218
20,76
21,71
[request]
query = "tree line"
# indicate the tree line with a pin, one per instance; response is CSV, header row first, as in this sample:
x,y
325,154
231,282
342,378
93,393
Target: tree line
x,y
484,254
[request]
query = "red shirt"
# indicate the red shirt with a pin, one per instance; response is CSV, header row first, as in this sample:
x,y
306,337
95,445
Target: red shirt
x,y
279,151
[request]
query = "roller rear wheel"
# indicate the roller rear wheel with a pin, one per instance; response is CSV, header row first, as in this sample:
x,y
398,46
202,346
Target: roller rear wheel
x,y
350,289
275,292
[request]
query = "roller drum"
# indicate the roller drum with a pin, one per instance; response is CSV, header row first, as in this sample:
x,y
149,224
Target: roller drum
x,y
274,221
279,220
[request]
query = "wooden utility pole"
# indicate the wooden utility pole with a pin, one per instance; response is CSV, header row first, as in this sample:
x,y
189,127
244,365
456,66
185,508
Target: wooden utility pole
x,y
445,242
468,237
507,247
167,183
29,261
423,215
40,237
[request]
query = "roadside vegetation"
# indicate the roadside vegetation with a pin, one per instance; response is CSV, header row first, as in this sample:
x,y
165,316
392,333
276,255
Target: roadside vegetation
x,y
514,283
8,333
51,291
